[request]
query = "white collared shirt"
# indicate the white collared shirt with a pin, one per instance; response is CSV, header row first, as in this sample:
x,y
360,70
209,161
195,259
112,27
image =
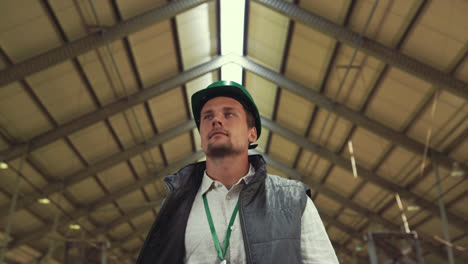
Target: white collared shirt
x,y
199,246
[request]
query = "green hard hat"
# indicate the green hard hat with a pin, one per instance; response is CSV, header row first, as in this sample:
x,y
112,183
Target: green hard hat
x,y
228,89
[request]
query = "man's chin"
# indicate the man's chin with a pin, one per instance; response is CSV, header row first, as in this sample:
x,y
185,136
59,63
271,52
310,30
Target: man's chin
x,y
220,150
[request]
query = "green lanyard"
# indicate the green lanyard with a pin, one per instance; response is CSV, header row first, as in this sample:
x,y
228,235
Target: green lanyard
x,y
221,253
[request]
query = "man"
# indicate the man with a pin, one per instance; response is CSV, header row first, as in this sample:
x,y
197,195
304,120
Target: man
x,y
228,209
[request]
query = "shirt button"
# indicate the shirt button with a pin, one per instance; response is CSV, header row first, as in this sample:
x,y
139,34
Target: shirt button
x,y
232,228
228,197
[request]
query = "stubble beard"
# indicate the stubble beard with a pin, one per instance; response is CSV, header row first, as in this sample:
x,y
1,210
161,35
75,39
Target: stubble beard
x,y
221,151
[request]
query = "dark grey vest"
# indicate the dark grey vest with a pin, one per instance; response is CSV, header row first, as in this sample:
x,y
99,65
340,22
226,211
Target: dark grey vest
x,y
270,212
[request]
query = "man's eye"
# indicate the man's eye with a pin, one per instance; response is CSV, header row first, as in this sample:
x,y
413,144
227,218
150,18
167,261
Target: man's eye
x,y
208,117
228,114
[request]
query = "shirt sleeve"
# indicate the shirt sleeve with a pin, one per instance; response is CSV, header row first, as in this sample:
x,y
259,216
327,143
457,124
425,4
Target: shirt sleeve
x,y
315,245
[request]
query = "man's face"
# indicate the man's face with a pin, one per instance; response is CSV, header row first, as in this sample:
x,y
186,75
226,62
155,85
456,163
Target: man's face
x,y
223,128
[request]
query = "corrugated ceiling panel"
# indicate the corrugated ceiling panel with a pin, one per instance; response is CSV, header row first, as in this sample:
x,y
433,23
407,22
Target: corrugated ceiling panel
x,y
427,187
387,21
23,254
450,112
460,207
263,92
334,11
114,61
3,144
31,180
283,150
369,195
414,217
121,231
68,14
312,165
144,219
133,243
58,159
23,122
197,34
26,18
63,201
401,92
156,190
393,212
24,222
308,56
4,199
136,7
267,33
368,148
147,162
462,72
461,152
398,163
130,125
434,226
94,142
354,90
336,234
105,214
382,202
444,26
325,204
47,211
329,130
168,109
116,177
102,75
342,181
129,202
178,148
155,53
274,171
62,104
89,187
294,112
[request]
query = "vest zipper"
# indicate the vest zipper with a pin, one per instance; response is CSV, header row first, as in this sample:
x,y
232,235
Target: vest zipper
x,y
244,233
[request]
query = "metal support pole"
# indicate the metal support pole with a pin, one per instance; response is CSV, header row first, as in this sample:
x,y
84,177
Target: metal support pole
x,y
417,245
372,249
104,247
443,214
11,212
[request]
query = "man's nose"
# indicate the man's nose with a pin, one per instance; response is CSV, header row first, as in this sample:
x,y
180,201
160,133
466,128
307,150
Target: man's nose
x,y
216,122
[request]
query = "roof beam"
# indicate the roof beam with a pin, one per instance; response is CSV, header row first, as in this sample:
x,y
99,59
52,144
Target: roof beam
x,y
371,47
87,210
363,172
101,165
345,112
95,40
120,105
373,216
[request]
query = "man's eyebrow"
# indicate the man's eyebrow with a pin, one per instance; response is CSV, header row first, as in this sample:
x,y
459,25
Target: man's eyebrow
x,y
207,111
229,108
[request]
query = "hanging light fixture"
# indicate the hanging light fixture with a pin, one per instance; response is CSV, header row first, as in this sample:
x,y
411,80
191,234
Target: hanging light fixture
x,y
74,227
457,171
3,165
43,201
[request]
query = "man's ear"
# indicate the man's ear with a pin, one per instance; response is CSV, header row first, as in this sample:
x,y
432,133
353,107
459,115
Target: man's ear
x,y
252,134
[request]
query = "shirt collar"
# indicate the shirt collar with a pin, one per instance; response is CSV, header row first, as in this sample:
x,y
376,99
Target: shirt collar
x,y
207,182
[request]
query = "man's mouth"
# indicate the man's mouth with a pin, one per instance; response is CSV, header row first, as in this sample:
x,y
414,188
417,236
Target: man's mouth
x,y
217,132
